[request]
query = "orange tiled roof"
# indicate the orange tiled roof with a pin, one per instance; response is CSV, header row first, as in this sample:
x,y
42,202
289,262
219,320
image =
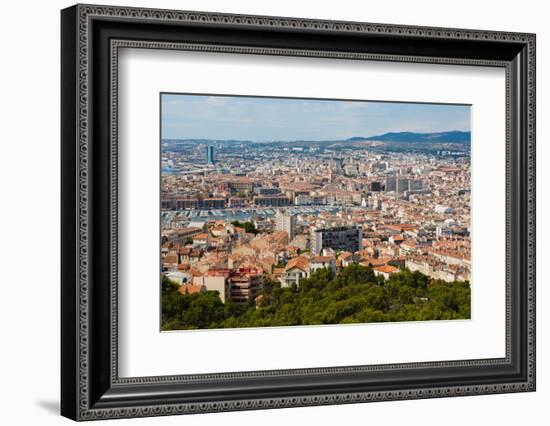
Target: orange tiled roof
x,y
195,272
299,262
218,273
381,261
191,289
322,259
171,259
385,268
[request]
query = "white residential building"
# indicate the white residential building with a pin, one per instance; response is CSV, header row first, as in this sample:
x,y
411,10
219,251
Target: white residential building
x,y
287,223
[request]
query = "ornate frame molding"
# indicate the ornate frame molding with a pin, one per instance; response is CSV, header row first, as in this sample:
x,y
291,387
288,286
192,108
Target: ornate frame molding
x,y
82,17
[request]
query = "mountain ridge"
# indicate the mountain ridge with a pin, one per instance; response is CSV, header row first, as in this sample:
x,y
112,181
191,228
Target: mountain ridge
x,y
452,136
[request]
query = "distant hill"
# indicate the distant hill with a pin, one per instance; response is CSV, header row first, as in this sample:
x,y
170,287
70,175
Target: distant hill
x,y
451,137
454,136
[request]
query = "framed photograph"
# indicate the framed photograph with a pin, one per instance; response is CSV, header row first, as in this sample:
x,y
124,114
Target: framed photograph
x,y
263,212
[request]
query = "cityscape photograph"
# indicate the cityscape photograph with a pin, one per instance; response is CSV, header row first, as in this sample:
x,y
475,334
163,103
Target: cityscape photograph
x,y
298,212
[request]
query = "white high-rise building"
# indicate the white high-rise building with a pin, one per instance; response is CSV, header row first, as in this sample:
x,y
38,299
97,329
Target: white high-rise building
x,y
286,222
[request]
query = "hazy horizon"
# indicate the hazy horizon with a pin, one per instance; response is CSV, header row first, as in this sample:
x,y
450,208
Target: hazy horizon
x,y
265,119
299,140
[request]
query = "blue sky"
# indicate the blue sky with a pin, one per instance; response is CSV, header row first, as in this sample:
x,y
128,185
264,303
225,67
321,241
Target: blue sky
x,y
266,119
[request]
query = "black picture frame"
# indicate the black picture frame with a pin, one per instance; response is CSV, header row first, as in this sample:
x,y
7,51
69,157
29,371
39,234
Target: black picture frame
x,y
90,386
